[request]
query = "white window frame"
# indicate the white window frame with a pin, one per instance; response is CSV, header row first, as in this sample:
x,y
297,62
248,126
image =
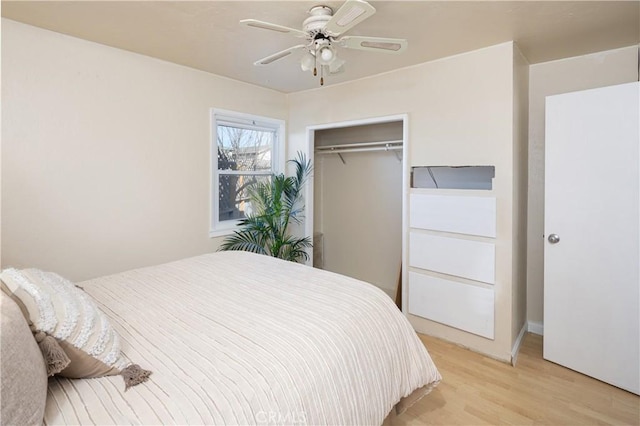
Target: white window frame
x,y
243,120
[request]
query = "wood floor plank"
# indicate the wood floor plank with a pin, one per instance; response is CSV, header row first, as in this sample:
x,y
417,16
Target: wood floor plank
x,y
477,390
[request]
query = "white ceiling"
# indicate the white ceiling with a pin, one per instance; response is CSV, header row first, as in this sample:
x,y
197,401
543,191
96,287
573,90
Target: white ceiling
x,y
206,35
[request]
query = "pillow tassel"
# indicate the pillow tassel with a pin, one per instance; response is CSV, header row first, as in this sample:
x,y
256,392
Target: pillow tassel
x,y
134,375
55,358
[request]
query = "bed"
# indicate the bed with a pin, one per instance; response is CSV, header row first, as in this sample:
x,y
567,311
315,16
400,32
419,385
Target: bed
x,y
240,338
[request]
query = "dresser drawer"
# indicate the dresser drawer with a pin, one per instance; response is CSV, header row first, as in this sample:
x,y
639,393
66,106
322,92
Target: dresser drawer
x,y
474,260
463,306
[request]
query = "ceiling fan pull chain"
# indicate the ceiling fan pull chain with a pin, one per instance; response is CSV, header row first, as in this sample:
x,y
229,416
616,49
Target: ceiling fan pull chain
x,y
315,64
321,75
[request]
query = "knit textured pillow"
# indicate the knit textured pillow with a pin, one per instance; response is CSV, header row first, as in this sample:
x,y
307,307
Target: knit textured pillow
x,y
74,335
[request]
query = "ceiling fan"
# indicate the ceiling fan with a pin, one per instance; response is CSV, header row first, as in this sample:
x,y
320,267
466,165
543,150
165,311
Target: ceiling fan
x,y
323,31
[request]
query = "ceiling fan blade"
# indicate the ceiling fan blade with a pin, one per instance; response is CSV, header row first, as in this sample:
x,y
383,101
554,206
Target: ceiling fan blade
x,y
276,56
374,44
273,27
348,16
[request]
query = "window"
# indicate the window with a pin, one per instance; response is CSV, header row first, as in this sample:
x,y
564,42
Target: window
x,y
244,150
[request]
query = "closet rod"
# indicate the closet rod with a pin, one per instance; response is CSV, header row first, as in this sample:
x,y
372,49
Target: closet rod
x,y
363,144
374,148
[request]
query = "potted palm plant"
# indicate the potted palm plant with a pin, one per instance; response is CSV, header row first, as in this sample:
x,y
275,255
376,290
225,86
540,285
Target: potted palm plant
x,y
275,203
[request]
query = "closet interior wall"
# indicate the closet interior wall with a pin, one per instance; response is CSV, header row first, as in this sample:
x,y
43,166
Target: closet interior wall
x,y
358,204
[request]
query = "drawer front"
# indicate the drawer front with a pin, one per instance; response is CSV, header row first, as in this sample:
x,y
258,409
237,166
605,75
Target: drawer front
x,y
474,260
457,214
463,306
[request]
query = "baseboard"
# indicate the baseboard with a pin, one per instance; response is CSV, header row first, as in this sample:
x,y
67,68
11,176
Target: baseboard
x,y
517,344
536,327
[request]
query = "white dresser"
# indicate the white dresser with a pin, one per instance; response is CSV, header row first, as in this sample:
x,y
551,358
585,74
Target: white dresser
x,y
452,258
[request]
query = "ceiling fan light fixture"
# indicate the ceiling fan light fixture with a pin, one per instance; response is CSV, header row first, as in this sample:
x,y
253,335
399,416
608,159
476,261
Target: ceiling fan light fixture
x,y
337,66
307,62
326,55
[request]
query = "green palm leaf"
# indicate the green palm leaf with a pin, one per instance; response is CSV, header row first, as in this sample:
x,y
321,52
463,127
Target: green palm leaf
x,y
244,240
275,203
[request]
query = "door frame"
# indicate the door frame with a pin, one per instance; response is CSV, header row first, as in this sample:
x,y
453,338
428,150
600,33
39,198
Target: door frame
x,y
309,193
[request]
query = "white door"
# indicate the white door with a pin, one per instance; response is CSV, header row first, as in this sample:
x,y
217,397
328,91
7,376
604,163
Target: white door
x,y
591,272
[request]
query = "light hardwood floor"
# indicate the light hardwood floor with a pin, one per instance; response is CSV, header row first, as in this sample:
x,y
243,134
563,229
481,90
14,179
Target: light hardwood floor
x,y
477,390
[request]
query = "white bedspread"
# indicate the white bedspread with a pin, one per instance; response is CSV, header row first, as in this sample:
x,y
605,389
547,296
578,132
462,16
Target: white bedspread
x,y
238,338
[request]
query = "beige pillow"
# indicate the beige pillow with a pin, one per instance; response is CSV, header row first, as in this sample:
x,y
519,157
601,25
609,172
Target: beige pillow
x,y
57,308
24,378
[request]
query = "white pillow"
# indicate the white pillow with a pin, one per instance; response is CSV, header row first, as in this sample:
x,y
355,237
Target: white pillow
x,y
58,308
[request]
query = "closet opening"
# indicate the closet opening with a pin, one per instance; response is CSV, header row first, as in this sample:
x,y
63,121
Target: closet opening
x,y
356,216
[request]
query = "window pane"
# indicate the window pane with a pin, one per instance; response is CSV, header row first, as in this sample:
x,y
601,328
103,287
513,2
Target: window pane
x,y
244,149
234,201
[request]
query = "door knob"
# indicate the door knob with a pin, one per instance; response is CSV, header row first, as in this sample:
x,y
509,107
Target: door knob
x,y
554,238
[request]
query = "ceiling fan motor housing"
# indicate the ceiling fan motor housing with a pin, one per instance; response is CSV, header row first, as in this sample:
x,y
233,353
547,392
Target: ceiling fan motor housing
x,y
315,23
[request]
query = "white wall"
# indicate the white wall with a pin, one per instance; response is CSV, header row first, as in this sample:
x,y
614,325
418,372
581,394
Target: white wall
x,y
460,113
520,143
550,78
359,205
105,162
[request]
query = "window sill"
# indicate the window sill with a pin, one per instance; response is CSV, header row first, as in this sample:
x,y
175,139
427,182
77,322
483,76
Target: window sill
x,y
221,232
